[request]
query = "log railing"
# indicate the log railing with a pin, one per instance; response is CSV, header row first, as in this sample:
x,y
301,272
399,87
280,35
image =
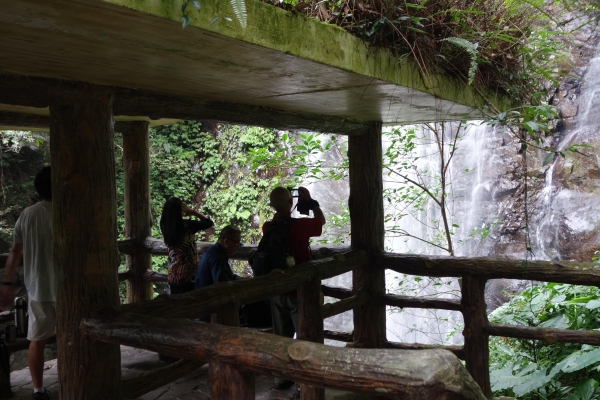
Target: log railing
x,y
133,325
474,272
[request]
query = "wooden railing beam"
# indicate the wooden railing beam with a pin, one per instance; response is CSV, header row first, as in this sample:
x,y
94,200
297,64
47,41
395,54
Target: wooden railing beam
x,y
434,374
336,292
331,309
458,351
339,336
207,300
421,302
547,334
147,381
587,274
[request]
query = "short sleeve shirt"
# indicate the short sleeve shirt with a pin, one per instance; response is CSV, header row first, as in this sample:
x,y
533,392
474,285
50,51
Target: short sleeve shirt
x,y
33,230
298,236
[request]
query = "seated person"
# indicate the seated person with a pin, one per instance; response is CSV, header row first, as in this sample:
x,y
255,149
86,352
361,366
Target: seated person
x,y
214,264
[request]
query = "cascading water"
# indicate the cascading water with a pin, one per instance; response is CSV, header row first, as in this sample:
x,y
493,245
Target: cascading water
x,y
569,209
469,192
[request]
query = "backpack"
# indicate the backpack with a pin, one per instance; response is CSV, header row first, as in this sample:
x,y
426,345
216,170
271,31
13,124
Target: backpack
x,y
273,249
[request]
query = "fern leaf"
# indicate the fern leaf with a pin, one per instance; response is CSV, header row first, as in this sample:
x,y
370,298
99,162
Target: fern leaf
x,y
239,8
470,48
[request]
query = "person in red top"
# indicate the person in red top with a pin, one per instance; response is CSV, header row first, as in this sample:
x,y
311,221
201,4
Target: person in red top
x,y
284,308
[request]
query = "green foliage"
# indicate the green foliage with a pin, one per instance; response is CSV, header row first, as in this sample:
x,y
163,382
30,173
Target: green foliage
x,y
22,155
302,155
534,369
239,9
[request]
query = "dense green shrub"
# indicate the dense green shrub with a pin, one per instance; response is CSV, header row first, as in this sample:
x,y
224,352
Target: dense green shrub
x,y
538,370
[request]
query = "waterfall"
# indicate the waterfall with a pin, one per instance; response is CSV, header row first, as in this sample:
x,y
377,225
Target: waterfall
x,y
567,224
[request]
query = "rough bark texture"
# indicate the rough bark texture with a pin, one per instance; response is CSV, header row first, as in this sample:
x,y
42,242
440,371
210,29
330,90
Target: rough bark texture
x,y
331,309
310,321
458,351
546,334
366,220
336,292
397,374
228,381
489,268
138,215
339,336
85,240
421,302
148,381
477,351
210,299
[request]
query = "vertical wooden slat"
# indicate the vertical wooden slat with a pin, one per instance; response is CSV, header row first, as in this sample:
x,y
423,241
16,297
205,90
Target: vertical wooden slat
x,y
477,351
227,381
138,215
367,231
310,321
85,240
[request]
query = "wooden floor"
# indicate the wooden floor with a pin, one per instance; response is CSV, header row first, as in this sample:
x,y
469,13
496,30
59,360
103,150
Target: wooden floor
x,y
193,386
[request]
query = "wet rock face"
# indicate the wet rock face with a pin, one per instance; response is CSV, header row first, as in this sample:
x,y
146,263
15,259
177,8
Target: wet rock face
x,y
562,197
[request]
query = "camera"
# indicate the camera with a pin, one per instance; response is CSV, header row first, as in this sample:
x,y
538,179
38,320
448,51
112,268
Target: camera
x,y
294,192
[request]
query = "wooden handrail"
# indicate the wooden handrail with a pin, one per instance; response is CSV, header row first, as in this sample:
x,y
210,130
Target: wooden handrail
x,y
432,374
547,334
459,351
331,309
336,292
421,302
147,381
205,301
339,336
587,274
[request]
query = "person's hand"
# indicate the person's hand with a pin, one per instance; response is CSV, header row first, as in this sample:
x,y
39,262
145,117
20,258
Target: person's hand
x,y
304,194
186,211
7,296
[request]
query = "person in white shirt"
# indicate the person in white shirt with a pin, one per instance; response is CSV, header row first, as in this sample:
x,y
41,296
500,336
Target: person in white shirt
x,y
33,239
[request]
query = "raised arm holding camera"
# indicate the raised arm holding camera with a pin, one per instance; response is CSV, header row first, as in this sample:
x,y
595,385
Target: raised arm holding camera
x,y
297,232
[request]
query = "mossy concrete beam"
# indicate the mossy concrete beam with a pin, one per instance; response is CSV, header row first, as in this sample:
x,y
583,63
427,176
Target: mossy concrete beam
x,y
280,61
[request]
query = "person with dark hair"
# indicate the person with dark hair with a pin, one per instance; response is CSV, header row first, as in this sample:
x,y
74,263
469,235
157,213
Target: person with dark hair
x,y
33,239
180,237
284,308
214,265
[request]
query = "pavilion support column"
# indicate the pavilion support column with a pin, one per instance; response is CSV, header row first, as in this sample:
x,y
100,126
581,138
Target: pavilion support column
x,y
85,239
366,220
138,214
477,350
226,380
310,321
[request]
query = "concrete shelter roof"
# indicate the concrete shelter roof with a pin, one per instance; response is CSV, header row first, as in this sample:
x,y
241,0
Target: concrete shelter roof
x,y
281,60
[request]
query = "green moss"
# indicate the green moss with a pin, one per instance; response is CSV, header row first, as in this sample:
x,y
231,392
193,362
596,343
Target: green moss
x,y
307,38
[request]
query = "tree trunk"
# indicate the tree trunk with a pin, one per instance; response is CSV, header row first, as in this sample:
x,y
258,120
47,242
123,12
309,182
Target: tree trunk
x,y
477,351
138,215
366,219
85,240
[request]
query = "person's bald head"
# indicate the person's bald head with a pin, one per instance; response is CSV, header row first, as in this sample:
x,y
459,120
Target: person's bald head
x,y
281,199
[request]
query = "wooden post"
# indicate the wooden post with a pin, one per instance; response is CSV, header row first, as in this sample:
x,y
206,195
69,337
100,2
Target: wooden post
x,y
310,321
477,351
226,380
366,219
138,215
85,239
